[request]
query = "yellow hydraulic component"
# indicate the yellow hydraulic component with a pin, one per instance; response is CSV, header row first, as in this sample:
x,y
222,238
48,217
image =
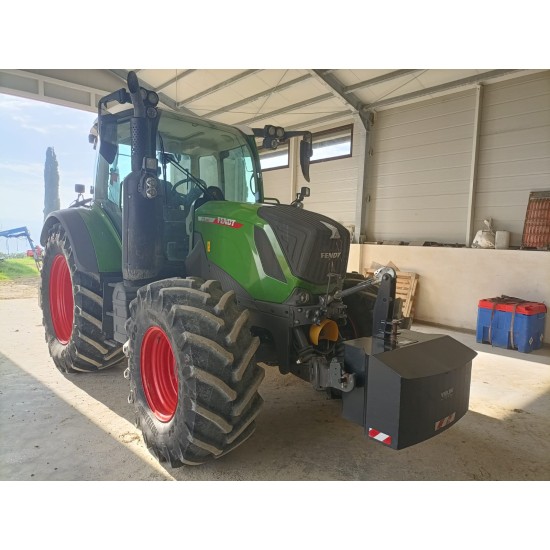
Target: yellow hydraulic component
x,y
327,330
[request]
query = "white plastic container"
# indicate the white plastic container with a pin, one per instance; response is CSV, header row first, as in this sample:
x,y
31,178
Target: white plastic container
x,y
502,239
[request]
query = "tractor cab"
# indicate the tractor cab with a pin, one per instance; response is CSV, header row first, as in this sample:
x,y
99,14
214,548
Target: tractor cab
x,y
196,160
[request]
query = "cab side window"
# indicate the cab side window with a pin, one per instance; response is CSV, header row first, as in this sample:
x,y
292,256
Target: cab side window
x,y
118,170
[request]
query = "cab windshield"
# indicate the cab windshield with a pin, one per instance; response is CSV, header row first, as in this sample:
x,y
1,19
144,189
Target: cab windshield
x,y
219,156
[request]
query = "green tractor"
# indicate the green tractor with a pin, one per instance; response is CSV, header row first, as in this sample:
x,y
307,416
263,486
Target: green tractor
x,y
183,266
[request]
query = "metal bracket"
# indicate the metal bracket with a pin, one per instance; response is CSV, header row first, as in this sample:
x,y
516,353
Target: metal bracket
x,y
331,375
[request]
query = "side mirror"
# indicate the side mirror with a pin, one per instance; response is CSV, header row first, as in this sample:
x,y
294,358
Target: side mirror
x,y
79,188
108,137
272,135
306,151
304,192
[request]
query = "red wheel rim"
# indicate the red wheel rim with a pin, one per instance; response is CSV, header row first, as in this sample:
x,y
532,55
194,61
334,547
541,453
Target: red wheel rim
x,y
61,299
158,374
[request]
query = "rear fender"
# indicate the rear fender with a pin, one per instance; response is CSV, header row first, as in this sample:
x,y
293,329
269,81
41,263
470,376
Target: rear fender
x,y
95,243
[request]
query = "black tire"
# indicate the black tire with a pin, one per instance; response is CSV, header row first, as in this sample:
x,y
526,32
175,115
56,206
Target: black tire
x,y
211,408
359,309
72,304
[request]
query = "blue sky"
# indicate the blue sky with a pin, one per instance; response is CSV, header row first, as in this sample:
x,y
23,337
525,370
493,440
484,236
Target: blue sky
x,y
27,129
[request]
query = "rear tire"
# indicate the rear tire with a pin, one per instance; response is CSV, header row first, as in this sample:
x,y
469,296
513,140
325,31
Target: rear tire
x,y
72,307
193,374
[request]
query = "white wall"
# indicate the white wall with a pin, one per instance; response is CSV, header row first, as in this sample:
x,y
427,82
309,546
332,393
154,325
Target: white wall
x,y
419,170
514,155
334,182
453,280
277,184
422,153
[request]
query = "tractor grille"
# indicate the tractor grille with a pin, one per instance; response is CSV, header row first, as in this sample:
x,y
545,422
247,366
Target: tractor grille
x,y
313,245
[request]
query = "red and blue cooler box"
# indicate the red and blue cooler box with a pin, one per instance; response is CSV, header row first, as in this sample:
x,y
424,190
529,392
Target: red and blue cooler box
x,y
511,323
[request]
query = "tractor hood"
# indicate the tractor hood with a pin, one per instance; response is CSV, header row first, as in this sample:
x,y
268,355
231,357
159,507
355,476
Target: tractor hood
x,y
313,245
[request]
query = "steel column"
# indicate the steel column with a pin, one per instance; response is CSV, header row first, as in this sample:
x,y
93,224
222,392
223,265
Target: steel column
x,y
361,206
474,166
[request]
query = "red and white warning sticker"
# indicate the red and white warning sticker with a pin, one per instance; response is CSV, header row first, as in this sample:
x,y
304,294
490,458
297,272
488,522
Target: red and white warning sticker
x,y
379,436
444,421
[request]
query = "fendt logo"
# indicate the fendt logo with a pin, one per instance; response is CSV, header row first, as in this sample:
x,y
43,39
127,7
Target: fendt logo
x,y
227,222
330,255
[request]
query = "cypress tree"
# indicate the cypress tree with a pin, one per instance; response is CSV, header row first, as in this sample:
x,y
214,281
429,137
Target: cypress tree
x,y
51,182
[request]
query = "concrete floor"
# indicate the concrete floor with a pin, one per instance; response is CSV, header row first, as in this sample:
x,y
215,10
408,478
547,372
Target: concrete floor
x,y
80,427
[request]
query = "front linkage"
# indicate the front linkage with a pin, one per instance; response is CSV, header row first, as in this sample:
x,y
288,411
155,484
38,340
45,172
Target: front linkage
x,y
402,386
325,369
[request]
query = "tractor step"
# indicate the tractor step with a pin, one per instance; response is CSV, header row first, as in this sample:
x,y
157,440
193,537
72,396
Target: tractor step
x,y
122,296
407,391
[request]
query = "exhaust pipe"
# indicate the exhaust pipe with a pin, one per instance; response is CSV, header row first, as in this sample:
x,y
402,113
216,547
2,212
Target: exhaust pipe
x,y
142,255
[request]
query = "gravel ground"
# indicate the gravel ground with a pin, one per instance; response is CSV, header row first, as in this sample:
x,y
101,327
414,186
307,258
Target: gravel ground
x,y
20,288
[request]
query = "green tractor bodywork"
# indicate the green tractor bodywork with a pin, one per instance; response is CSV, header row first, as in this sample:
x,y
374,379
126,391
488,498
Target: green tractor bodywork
x,y
228,231
95,239
180,258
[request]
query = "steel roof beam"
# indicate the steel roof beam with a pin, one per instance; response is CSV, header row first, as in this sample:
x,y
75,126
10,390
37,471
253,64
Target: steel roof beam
x,y
379,79
327,78
175,79
469,81
219,86
288,108
259,95
349,99
320,120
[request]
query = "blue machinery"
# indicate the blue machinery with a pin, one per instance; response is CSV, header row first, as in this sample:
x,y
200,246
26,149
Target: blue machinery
x,y
24,232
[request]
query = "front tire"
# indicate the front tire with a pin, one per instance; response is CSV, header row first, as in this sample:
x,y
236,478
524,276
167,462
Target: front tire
x,y
72,307
193,375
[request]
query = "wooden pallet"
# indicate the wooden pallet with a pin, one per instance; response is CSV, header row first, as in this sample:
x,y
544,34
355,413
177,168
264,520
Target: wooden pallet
x,y
406,285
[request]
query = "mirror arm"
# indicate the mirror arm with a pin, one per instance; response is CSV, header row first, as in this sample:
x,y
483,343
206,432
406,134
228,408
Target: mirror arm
x,y
294,133
120,96
273,135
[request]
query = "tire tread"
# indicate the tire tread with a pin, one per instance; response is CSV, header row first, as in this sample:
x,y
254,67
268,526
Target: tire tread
x,y
218,375
88,349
